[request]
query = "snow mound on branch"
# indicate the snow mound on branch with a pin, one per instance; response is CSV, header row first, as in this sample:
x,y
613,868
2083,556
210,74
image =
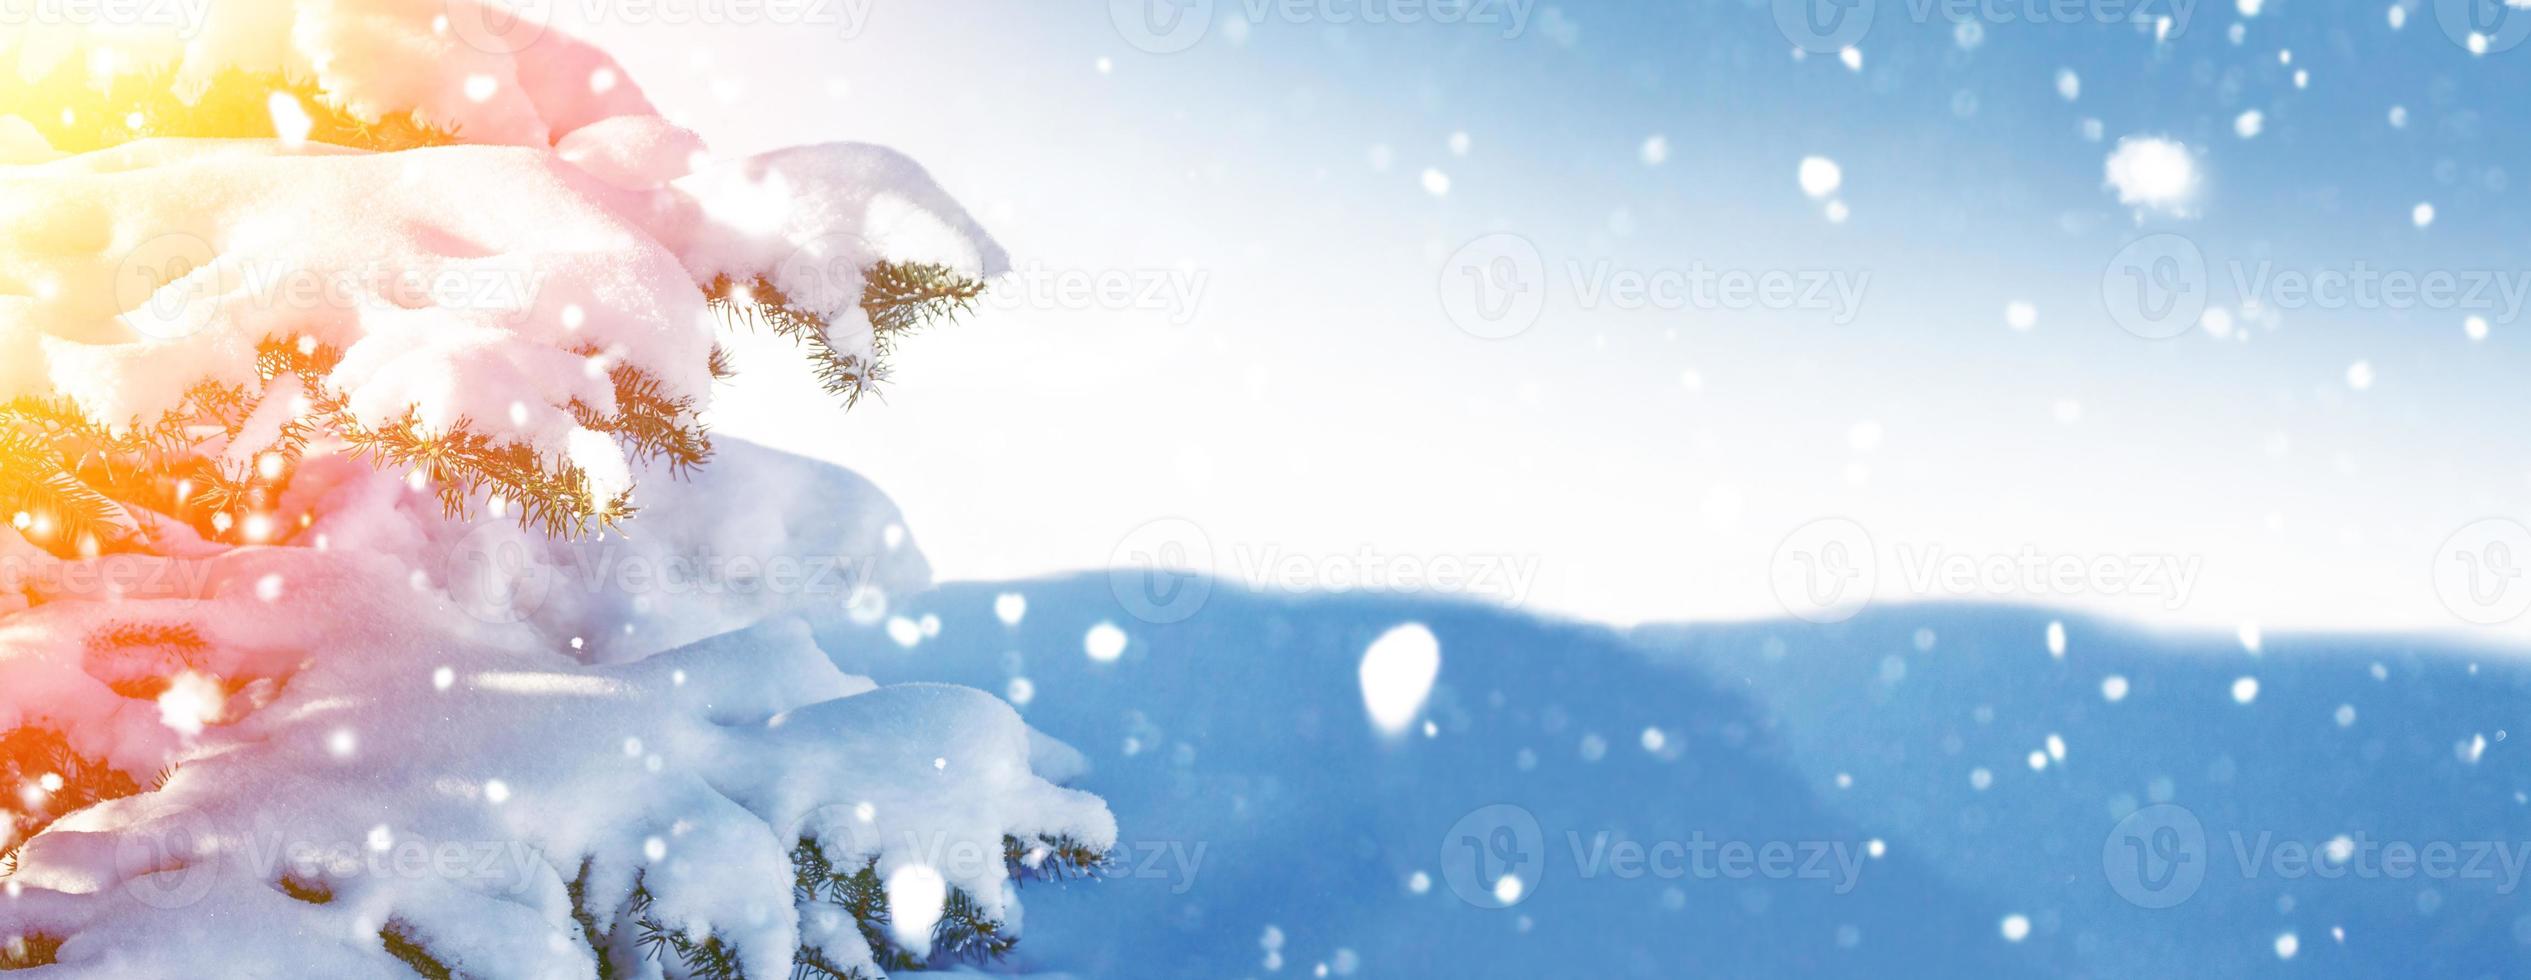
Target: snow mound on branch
x,y
633,152
812,221
390,760
462,817
755,535
86,644
454,64
495,287
502,312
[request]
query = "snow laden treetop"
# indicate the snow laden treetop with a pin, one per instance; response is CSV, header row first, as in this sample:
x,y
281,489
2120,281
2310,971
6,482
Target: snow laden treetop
x,y
289,299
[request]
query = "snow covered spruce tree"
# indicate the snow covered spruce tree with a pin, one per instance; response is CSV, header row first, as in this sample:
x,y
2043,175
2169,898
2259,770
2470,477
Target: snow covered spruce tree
x,y
335,338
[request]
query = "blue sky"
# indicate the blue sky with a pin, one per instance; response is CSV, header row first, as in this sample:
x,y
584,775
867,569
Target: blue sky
x,y
1284,376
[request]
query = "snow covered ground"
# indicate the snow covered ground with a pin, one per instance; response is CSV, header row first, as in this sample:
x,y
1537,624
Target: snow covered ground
x,y
1943,795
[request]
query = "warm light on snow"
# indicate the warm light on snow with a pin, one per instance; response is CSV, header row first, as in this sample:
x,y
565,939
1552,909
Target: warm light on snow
x,y
1397,675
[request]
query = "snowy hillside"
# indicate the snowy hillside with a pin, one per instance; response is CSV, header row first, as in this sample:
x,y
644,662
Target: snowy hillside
x,y
2351,749
1268,824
